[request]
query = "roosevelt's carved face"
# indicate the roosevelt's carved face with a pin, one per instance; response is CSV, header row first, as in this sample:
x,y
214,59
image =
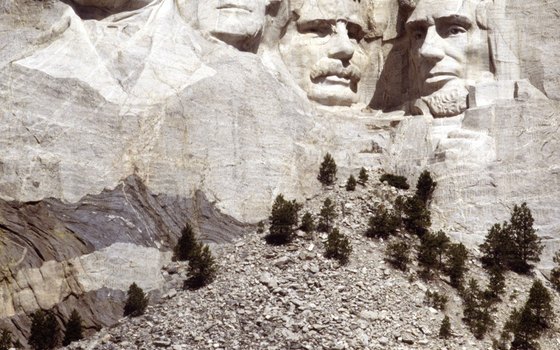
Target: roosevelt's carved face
x,y
235,22
448,48
321,49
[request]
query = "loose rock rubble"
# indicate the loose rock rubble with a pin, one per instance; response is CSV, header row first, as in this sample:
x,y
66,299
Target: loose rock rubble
x,y
291,297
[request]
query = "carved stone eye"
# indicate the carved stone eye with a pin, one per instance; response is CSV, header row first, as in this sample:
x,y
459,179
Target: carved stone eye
x,y
456,30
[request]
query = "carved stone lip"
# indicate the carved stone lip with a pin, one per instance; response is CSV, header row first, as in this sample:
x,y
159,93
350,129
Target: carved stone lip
x,y
232,6
440,76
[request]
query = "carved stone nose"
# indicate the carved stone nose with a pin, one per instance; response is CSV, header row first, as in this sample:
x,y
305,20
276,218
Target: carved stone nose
x,y
341,47
432,47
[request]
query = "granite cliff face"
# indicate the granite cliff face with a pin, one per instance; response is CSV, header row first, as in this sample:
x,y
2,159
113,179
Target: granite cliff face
x,y
120,121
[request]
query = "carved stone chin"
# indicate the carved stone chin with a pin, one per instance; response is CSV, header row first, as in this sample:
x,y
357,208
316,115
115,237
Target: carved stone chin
x,y
448,102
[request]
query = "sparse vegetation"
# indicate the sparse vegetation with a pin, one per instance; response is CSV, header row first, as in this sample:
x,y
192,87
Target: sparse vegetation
x,y
6,341
307,223
283,221
425,187
44,330
73,327
136,301
436,300
445,328
398,255
185,244
338,247
396,181
327,172
326,216
363,177
351,183
202,268
382,224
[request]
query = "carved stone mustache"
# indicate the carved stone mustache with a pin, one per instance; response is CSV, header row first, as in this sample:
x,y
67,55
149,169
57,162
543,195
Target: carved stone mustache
x,y
324,69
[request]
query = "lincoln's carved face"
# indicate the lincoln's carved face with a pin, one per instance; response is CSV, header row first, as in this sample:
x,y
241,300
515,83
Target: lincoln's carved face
x,y
320,48
235,22
448,47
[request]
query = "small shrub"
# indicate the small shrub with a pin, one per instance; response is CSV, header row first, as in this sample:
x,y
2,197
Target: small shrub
x,y
185,244
425,187
445,328
326,216
398,255
283,221
73,328
436,300
307,223
136,301
383,224
202,268
327,172
351,183
6,341
363,177
456,264
338,247
44,330
260,227
395,181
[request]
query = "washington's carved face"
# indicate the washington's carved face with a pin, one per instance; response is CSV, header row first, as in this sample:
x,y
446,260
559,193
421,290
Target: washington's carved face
x,y
232,21
321,50
447,46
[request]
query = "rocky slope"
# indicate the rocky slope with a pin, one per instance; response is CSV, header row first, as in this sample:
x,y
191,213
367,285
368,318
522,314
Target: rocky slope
x,y
291,297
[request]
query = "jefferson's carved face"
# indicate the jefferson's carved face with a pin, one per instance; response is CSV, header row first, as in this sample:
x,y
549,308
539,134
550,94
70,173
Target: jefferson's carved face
x,y
447,45
232,21
321,49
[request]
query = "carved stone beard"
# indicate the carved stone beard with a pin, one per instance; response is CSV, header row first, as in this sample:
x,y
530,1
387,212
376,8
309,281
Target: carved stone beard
x,y
447,102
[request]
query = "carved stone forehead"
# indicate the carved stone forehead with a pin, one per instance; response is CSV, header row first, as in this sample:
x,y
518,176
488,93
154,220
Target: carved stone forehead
x,y
428,10
351,10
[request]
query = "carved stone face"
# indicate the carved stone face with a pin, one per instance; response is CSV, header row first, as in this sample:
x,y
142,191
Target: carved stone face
x,y
232,21
113,4
448,48
320,48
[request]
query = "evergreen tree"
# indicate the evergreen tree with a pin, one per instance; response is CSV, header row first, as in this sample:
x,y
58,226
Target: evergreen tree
x,y
307,224
73,328
396,181
398,255
526,244
456,264
477,310
555,273
6,341
351,183
327,172
445,328
416,216
431,250
497,247
44,330
326,216
363,177
425,187
186,244
497,284
136,301
283,221
202,268
338,247
383,224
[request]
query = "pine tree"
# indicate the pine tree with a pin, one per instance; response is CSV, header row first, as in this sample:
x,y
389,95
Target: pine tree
x,y
456,264
496,285
445,328
526,244
283,221
396,181
398,255
338,247
136,301
44,330
555,273
497,247
202,268
327,172
383,224
351,183
477,310
431,251
73,328
425,187
6,341
363,177
416,216
307,224
185,244
326,216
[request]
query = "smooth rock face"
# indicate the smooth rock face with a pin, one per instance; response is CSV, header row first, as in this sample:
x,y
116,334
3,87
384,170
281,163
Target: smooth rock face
x,y
215,109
